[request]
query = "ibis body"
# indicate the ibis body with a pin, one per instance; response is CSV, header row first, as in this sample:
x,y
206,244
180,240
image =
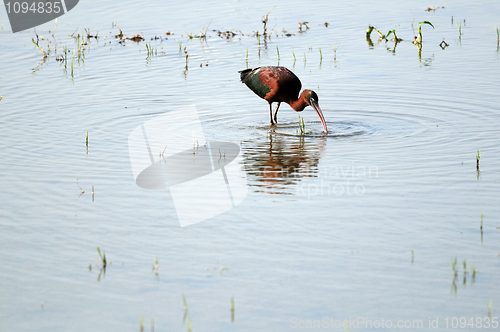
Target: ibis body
x,y
279,84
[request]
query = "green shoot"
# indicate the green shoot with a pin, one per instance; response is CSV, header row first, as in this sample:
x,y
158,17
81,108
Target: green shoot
x,y
278,51
222,268
481,221
72,64
184,302
39,47
474,271
302,125
141,323
103,257
189,324
320,55
418,40
454,266
465,266
498,35
370,30
459,26
155,265
396,39
478,156
232,303
294,58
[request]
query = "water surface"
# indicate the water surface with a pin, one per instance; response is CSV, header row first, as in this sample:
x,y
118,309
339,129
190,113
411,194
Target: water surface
x,y
362,222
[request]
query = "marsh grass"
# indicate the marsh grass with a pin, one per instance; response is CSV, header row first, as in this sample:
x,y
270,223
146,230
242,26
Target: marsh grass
x,y
141,324
371,29
39,47
418,40
396,38
302,126
82,191
102,256
232,308
454,266
335,47
155,264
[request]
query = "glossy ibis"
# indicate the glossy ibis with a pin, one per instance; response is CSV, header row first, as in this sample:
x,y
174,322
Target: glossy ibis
x,y
278,84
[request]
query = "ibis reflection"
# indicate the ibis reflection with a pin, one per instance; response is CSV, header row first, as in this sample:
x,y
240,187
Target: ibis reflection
x,y
275,164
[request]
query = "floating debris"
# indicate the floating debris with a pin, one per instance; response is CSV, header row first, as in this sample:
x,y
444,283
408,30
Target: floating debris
x,y
433,9
444,44
303,24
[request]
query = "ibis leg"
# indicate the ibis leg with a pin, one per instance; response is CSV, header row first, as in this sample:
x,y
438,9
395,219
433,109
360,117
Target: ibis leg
x,y
275,114
271,113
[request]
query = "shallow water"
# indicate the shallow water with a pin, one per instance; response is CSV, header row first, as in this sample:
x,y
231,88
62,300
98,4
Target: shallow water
x,y
361,223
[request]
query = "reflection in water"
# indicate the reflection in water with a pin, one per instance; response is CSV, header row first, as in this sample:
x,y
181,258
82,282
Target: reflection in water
x,y
276,163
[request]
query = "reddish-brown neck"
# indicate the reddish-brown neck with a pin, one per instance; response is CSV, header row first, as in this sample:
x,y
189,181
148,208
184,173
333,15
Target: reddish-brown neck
x,y
299,104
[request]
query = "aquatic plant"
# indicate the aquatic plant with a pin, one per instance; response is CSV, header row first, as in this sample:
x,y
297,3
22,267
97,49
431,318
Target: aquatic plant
x,y
335,48
278,51
370,30
184,301
459,26
222,268
302,126
155,265
418,40
265,18
39,47
454,266
103,257
232,308
141,324
498,35
396,39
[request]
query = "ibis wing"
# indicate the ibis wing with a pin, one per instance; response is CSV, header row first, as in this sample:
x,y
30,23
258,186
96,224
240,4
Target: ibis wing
x,y
252,78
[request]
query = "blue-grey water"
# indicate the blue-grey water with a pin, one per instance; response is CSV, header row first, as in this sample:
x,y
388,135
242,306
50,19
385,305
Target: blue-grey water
x,y
360,225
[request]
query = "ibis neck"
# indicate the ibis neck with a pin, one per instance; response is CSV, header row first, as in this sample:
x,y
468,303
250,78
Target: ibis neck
x,y
298,105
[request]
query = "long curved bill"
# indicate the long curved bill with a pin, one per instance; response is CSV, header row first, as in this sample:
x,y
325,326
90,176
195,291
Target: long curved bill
x,y
320,114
